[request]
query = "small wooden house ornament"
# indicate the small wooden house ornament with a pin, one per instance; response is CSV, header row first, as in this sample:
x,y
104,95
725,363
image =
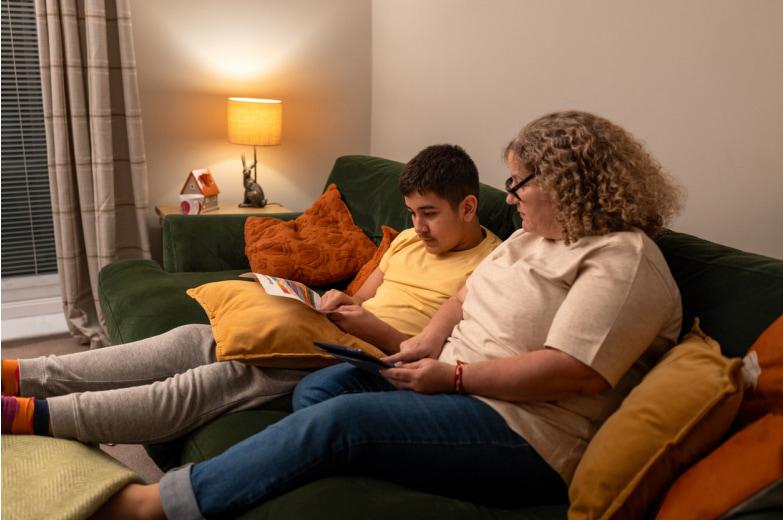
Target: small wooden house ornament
x,y
200,186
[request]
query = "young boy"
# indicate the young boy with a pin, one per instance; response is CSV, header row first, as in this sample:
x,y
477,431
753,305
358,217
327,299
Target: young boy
x,y
159,388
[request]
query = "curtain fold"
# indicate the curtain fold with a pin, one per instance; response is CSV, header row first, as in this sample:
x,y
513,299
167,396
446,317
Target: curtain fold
x,y
95,146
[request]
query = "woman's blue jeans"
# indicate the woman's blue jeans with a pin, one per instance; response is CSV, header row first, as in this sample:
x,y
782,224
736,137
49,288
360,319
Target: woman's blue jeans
x,y
351,420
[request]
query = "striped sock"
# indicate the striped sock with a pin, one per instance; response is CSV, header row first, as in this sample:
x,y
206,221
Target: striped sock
x,y
25,415
10,377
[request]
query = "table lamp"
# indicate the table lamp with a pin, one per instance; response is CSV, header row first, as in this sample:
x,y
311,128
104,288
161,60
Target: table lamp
x,y
257,122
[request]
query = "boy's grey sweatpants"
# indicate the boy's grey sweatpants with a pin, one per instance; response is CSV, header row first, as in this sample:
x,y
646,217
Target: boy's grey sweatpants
x,y
148,391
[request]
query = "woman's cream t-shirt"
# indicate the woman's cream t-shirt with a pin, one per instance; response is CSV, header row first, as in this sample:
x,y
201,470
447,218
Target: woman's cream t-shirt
x,y
609,301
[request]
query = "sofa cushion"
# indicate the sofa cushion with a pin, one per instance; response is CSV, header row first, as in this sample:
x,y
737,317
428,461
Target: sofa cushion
x,y
345,497
207,242
677,413
743,466
321,246
251,326
367,269
735,294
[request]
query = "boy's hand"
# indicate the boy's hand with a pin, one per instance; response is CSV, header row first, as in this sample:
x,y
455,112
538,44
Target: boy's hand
x,y
426,376
353,319
418,347
332,299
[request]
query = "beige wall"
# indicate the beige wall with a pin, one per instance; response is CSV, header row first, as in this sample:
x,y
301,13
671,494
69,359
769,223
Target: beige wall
x,y
700,81
193,54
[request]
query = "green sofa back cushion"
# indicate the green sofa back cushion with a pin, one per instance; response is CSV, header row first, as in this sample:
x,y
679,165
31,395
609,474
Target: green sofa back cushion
x,y
207,242
735,294
369,188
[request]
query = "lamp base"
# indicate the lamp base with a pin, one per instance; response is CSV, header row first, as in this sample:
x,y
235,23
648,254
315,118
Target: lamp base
x,y
254,195
249,205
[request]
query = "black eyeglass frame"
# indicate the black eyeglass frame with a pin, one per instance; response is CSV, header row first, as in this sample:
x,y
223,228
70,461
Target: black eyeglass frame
x,y
512,190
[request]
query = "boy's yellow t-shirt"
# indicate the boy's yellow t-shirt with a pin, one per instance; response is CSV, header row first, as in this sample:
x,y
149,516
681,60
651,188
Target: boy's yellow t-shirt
x,y
416,283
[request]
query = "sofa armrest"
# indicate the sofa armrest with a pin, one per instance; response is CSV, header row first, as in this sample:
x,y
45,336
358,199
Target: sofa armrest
x,y
140,300
199,243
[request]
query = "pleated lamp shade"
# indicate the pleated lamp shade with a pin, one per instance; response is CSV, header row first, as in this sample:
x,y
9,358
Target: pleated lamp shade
x,y
255,121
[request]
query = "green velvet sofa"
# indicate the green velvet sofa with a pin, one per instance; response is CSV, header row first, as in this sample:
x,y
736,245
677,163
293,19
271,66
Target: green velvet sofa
x,y
735,294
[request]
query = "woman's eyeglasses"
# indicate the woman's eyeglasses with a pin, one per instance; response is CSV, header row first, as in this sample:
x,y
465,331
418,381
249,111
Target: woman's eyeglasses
x,y
512,188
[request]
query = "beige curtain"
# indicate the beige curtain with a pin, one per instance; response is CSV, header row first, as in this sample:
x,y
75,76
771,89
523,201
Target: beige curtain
x,y
97,165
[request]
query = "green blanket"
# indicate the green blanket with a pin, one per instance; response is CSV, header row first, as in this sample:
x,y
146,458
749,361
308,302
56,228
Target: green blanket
x,y
57,479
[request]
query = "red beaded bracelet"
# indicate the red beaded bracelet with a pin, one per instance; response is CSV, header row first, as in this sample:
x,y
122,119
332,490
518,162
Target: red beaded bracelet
x,y
458,377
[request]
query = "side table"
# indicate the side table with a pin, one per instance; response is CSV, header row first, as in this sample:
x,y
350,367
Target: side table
x,y
226,208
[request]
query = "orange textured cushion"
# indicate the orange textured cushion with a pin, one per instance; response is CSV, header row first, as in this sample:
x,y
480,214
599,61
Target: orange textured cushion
x,y
322,246
389,234
680,410
256,328
763,373
744,465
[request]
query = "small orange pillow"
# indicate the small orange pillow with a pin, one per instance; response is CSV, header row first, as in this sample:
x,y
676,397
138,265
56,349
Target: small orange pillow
x,y
763,372
741,467
389,234
322,246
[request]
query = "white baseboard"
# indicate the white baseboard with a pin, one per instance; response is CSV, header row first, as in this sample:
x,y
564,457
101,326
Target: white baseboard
x,y
12,310
31,307
33,326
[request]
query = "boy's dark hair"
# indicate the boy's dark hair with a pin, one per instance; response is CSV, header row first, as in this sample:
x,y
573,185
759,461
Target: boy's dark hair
x,y
443,169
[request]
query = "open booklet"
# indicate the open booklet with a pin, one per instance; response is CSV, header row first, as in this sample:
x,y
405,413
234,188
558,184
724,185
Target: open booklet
x,y
276,286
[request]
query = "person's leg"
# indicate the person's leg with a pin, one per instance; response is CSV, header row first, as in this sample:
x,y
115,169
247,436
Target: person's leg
x,y
131,502
447,444
337,380
132,364
137,363
167,409
134,397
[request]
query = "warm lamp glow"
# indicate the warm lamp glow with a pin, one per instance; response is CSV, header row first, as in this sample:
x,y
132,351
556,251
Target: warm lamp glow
x,y
255,121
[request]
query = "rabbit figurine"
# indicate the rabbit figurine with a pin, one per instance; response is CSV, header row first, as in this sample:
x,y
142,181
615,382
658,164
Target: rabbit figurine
x,y
254,195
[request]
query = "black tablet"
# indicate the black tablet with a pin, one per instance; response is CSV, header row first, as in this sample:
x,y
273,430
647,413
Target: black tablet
x,y
354,356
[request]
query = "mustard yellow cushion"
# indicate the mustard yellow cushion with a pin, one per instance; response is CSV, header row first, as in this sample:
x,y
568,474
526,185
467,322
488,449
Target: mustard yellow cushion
x,y
679,411
253,327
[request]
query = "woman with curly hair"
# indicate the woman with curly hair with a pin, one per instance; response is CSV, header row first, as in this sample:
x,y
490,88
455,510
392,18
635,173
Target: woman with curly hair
x,y
497,398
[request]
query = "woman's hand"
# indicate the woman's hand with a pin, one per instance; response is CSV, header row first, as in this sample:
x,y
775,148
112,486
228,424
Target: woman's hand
x,y
420,346
426,376
333,299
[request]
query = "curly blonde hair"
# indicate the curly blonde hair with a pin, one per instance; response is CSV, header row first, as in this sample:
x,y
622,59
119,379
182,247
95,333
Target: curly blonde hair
x,y
600,178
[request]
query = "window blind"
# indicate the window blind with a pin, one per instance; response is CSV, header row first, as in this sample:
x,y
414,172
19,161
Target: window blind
x,y
27,230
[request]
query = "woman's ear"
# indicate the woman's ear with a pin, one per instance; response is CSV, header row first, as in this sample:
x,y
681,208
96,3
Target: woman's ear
x,y
469,207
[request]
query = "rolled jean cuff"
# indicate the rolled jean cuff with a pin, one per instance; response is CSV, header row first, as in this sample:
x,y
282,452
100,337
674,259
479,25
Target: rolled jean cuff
x,y
176,495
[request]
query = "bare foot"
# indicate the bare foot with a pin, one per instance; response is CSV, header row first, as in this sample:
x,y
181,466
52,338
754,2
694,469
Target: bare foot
x,y
134,501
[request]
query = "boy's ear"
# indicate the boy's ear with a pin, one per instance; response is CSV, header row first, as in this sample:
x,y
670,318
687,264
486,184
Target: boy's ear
x,y
469,207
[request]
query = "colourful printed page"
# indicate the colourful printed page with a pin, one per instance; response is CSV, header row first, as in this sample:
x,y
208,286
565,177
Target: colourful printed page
x,y
276,286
